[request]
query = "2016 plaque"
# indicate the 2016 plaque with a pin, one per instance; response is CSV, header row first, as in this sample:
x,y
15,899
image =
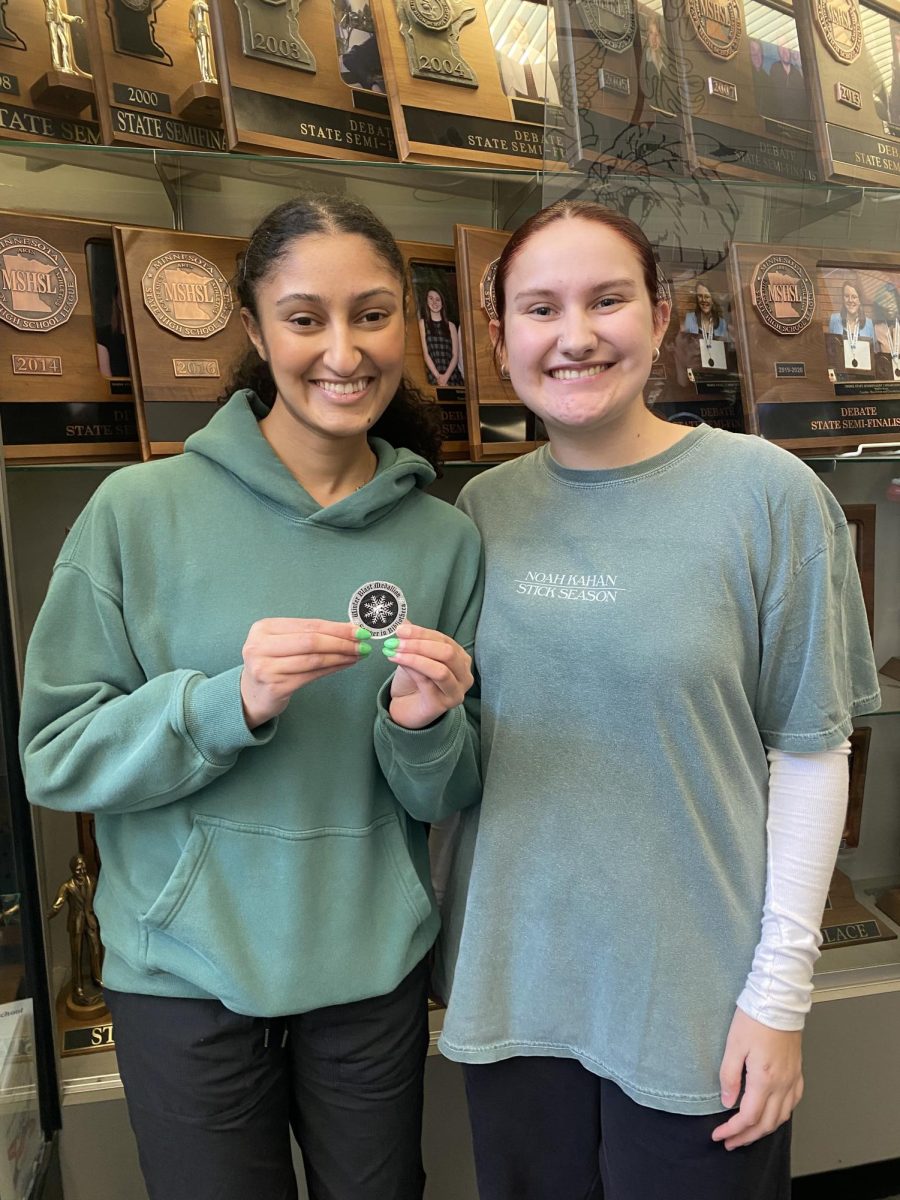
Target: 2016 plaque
x,y
746,98
696,376
46,88
819,345
156,74
435,359
66,391
499,425
303,78
468,84
853,50
184,331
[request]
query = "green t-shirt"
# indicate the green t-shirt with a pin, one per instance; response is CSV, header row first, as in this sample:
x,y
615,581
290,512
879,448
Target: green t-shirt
x,y
647,632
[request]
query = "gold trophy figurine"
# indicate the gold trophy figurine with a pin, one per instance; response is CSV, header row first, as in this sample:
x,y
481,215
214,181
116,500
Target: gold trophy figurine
x,y
200,31
84,940
58,23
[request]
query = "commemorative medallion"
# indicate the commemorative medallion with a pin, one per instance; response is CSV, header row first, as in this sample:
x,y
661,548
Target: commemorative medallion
x,y
783,294
38,289
187,294
612,22
719,24
379,606
840,25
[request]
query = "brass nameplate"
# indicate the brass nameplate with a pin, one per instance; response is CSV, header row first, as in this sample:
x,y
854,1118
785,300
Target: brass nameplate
x,y
199,368
848,95
609,81
88,1037
790,370
9,84
36,364
722,88
851,932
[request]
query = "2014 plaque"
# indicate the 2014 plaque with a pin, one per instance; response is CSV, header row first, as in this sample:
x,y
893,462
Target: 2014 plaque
x,y
63,395
177,291
303,78
156,74
819,344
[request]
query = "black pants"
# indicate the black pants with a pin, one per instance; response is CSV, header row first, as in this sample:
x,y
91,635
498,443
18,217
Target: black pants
x,y
547,1129
211,1096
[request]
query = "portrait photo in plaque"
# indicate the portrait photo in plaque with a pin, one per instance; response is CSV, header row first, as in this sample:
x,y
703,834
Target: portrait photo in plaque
x,y
747,94
819,344
303,78
47,88
854,53
471,81
696,377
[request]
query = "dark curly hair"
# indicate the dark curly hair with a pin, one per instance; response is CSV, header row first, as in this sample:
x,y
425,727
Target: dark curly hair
x,y
410,420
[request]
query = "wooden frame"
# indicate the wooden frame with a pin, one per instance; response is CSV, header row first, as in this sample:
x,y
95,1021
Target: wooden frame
x,y
861,523
859,758
800,387
426,265
856,140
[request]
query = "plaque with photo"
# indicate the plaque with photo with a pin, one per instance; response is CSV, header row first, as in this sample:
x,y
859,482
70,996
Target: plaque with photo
x,y
435,361
620,80
499,424
819,346
303,78
695,379
65,391
46,86
854,51
156,73
183,327
471,82
745,91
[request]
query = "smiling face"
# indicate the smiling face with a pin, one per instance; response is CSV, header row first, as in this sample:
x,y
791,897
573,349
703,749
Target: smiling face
x,y
579,327
330,325
704,299
851,300
435,302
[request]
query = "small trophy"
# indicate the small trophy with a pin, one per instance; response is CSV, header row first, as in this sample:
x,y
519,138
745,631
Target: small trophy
x,y
83,998
200,31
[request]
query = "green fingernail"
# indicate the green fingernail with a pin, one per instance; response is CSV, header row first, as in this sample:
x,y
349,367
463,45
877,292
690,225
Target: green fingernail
x,y
363,649
362,634
391,643
388,651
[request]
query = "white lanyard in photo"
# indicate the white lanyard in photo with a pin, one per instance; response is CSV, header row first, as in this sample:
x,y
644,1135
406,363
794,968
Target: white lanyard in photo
x,y
857,354
713,350
895,348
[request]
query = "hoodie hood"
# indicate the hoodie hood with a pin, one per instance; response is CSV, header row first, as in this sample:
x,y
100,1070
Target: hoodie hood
x,y
233,440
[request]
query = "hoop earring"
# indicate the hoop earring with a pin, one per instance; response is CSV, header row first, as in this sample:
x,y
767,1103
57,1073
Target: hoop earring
x,y
504,371
654,357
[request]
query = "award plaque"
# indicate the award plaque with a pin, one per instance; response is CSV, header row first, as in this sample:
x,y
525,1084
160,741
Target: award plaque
x,y
435,361
184,329
846,921
745,94
469,85
696,380
46,87
156,74
499,425
620,79
854,50
65,391
303,77
819,345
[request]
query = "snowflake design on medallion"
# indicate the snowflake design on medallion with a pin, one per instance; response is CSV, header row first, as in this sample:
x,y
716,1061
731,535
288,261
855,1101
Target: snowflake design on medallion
x,y
379,609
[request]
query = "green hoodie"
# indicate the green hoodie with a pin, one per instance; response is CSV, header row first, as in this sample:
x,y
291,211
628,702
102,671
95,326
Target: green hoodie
x,y
278,870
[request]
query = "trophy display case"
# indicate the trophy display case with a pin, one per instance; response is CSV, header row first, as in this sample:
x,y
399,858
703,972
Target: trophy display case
x,y
764,221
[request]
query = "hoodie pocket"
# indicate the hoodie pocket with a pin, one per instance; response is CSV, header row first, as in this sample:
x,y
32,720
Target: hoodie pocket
x,y
273,921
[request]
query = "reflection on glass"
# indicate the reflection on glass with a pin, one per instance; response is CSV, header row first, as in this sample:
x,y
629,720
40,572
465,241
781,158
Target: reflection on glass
x,y
777,68
881,63
359,60
437,308
524,37
106,307
657,75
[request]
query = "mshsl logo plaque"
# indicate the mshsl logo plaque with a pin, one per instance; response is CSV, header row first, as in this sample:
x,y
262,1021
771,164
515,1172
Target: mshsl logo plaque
x,y
187,294
38,289
612,22
841,26
783,294
718,24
